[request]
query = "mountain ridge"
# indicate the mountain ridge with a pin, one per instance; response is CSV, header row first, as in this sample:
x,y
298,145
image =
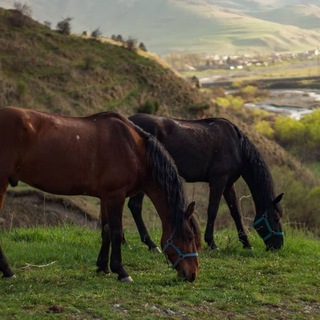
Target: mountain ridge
x,y
207,26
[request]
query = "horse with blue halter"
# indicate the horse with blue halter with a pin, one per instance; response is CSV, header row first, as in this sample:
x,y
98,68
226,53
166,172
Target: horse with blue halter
x,y
215,151
105,156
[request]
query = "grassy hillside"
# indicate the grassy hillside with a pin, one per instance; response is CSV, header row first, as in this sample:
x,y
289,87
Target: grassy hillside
x,y
43,69
56,279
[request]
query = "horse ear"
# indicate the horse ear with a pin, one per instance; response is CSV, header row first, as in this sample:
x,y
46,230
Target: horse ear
x,y
278,199
190,209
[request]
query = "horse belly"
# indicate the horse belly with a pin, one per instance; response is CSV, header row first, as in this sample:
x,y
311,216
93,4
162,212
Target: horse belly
x,y
54,168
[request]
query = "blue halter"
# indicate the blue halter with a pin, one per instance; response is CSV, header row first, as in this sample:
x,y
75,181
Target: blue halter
x,y
181,255
271,233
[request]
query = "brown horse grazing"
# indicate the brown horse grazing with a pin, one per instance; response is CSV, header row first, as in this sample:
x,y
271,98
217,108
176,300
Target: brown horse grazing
x,y
217,152
104,156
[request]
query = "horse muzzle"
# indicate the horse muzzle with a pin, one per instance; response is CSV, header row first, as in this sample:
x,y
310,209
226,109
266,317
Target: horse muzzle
x,y
187,269
187,276
275,242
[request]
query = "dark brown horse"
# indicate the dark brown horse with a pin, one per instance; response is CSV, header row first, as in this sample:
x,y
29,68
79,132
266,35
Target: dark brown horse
x,y
104,156
217,152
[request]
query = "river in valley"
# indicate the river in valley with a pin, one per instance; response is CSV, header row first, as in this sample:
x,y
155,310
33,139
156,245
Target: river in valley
x,y
292,103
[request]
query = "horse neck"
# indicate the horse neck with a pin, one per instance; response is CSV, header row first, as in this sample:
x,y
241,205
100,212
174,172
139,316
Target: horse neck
x,y
262,194
161,204
258,177
168,191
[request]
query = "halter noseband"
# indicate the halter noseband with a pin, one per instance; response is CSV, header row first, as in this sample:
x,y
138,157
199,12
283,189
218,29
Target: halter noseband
x,y
181,255
271,233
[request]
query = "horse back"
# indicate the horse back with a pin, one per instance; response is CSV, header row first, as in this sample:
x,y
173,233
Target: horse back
x,y
202,149
71,155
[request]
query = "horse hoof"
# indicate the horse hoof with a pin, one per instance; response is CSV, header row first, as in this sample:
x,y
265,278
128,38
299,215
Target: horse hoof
x,y
126,279
103,271
9,277
156,250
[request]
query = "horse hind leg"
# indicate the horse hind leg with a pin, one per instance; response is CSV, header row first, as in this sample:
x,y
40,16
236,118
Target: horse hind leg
x,y
231,199
135,206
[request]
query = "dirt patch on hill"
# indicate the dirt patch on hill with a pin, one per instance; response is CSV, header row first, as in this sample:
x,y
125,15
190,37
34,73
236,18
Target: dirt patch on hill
x,y
31,208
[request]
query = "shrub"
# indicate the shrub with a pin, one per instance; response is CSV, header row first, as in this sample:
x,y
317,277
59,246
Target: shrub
x,y
222,102
89,62
237,84
21,89
236,102
301,137
265,128
149,107
288,130
248,92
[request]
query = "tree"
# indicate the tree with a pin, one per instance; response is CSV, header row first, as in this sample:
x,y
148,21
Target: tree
x,y
23,8
21,15
131,44
96,33
119,38
142,47
64,26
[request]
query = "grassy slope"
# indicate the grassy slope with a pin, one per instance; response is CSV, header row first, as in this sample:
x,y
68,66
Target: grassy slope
x,y
232,284
67,74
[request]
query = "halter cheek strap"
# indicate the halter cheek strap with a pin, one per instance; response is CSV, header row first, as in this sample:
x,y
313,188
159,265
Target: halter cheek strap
x,y
271,233
181,255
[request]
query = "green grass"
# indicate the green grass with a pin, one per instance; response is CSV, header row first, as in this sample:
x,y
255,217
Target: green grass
x,y
232,284
315,167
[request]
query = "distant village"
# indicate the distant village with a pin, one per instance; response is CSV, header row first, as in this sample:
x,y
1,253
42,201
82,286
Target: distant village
x,y
246,61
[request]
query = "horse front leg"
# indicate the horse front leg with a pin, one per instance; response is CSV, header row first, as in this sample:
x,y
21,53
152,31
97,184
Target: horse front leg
x,y
216,191
135,206
232,202
4,266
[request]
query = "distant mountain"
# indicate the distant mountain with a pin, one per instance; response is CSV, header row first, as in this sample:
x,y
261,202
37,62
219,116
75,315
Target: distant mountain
x,y
305,16
206,26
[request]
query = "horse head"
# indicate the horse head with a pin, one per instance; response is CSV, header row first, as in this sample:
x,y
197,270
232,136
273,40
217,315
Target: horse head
x,y
268,225
181,248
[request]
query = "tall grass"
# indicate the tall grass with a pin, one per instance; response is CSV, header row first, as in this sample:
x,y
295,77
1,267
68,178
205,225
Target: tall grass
x,y
56,279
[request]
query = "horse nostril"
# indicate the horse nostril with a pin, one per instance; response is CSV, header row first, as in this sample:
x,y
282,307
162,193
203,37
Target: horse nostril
x,y
188,277
184,275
